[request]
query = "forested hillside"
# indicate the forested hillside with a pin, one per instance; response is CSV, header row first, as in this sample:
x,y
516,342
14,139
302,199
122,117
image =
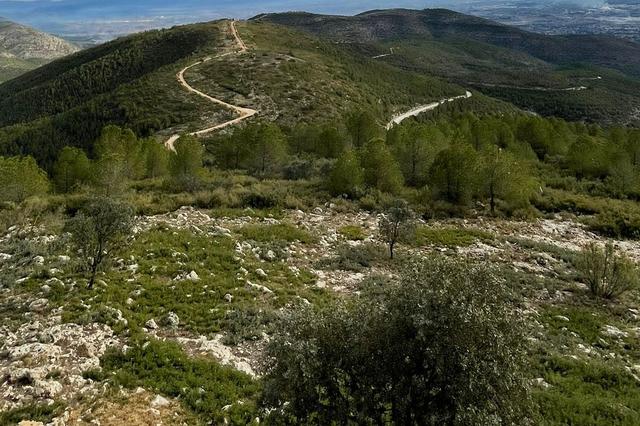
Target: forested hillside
x,y
531,70
287,76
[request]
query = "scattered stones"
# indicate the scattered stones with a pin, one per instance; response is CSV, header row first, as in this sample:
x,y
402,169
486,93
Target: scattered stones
x,y
38,305
270,255
259,287
44,360
611,331
540,382
221,232
562,318
218,350
191,276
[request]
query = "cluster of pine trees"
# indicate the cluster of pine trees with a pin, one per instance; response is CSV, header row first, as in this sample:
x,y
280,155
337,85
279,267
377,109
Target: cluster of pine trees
x,y
446,162
121,157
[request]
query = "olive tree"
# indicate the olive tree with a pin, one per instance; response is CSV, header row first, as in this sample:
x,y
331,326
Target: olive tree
x,y
396,224
97,230
443,346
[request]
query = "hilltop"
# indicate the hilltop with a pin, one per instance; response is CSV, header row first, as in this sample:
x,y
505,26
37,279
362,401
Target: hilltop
x,y
23,48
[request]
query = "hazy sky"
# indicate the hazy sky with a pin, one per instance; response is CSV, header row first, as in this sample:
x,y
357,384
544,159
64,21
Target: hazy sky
x,y
118,16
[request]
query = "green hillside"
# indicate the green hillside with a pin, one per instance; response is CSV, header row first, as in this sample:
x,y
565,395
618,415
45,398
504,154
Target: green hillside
x,y
501,61
287,76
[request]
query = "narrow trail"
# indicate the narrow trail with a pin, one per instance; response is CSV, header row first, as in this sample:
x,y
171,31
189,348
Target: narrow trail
x,y
243,113
424,108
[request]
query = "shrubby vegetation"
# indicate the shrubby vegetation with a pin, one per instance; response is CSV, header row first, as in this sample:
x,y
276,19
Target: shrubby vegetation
x,y
441,347
607,273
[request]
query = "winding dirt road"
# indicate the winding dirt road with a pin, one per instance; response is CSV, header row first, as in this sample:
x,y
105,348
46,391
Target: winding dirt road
x,y
424,108
243,113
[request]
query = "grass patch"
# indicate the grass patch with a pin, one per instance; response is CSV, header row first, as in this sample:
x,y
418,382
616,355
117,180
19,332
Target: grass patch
x,y
450,237
589,393
352,232
276,233
36,412
203,386
161,255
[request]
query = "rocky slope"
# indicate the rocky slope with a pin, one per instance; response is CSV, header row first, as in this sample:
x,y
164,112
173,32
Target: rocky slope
x,y
23,48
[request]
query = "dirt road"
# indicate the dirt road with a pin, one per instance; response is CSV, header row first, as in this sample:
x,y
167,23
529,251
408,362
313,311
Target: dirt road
x,y
243,113
424,108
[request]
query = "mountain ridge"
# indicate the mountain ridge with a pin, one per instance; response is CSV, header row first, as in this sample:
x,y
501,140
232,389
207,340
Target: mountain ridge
x,y
23,48
386,25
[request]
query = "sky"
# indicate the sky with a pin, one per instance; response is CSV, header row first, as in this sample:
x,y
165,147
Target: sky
x,y
109,18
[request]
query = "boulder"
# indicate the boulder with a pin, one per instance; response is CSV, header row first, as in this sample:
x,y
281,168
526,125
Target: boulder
x,y
160,401
151,324
172,320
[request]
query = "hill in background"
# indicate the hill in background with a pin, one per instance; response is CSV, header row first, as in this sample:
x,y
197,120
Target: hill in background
x,y
23,48
528,69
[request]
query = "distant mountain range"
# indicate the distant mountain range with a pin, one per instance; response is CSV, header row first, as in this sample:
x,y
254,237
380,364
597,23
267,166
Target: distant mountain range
x,y
446,25
23,48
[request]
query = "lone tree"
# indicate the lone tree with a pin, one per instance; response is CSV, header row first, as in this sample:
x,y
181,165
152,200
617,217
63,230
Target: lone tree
x,y
444,346
97,229
396,224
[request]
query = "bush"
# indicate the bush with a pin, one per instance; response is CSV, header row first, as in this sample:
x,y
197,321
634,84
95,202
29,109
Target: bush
x,y
616,224
273,233
607,274
443,346
202,386
354,258
352,232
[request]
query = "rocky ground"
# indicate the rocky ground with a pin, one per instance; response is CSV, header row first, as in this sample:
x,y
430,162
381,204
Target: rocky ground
x,y
43,355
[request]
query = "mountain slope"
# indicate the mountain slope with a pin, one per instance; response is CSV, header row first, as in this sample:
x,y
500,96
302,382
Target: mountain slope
x,y
531,70
286,75
23,48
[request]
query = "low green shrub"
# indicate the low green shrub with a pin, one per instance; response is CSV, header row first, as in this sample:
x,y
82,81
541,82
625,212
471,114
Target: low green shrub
x,y
202,386
36,412
355,258
586,393
272,233
450,237
352,232
607,273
